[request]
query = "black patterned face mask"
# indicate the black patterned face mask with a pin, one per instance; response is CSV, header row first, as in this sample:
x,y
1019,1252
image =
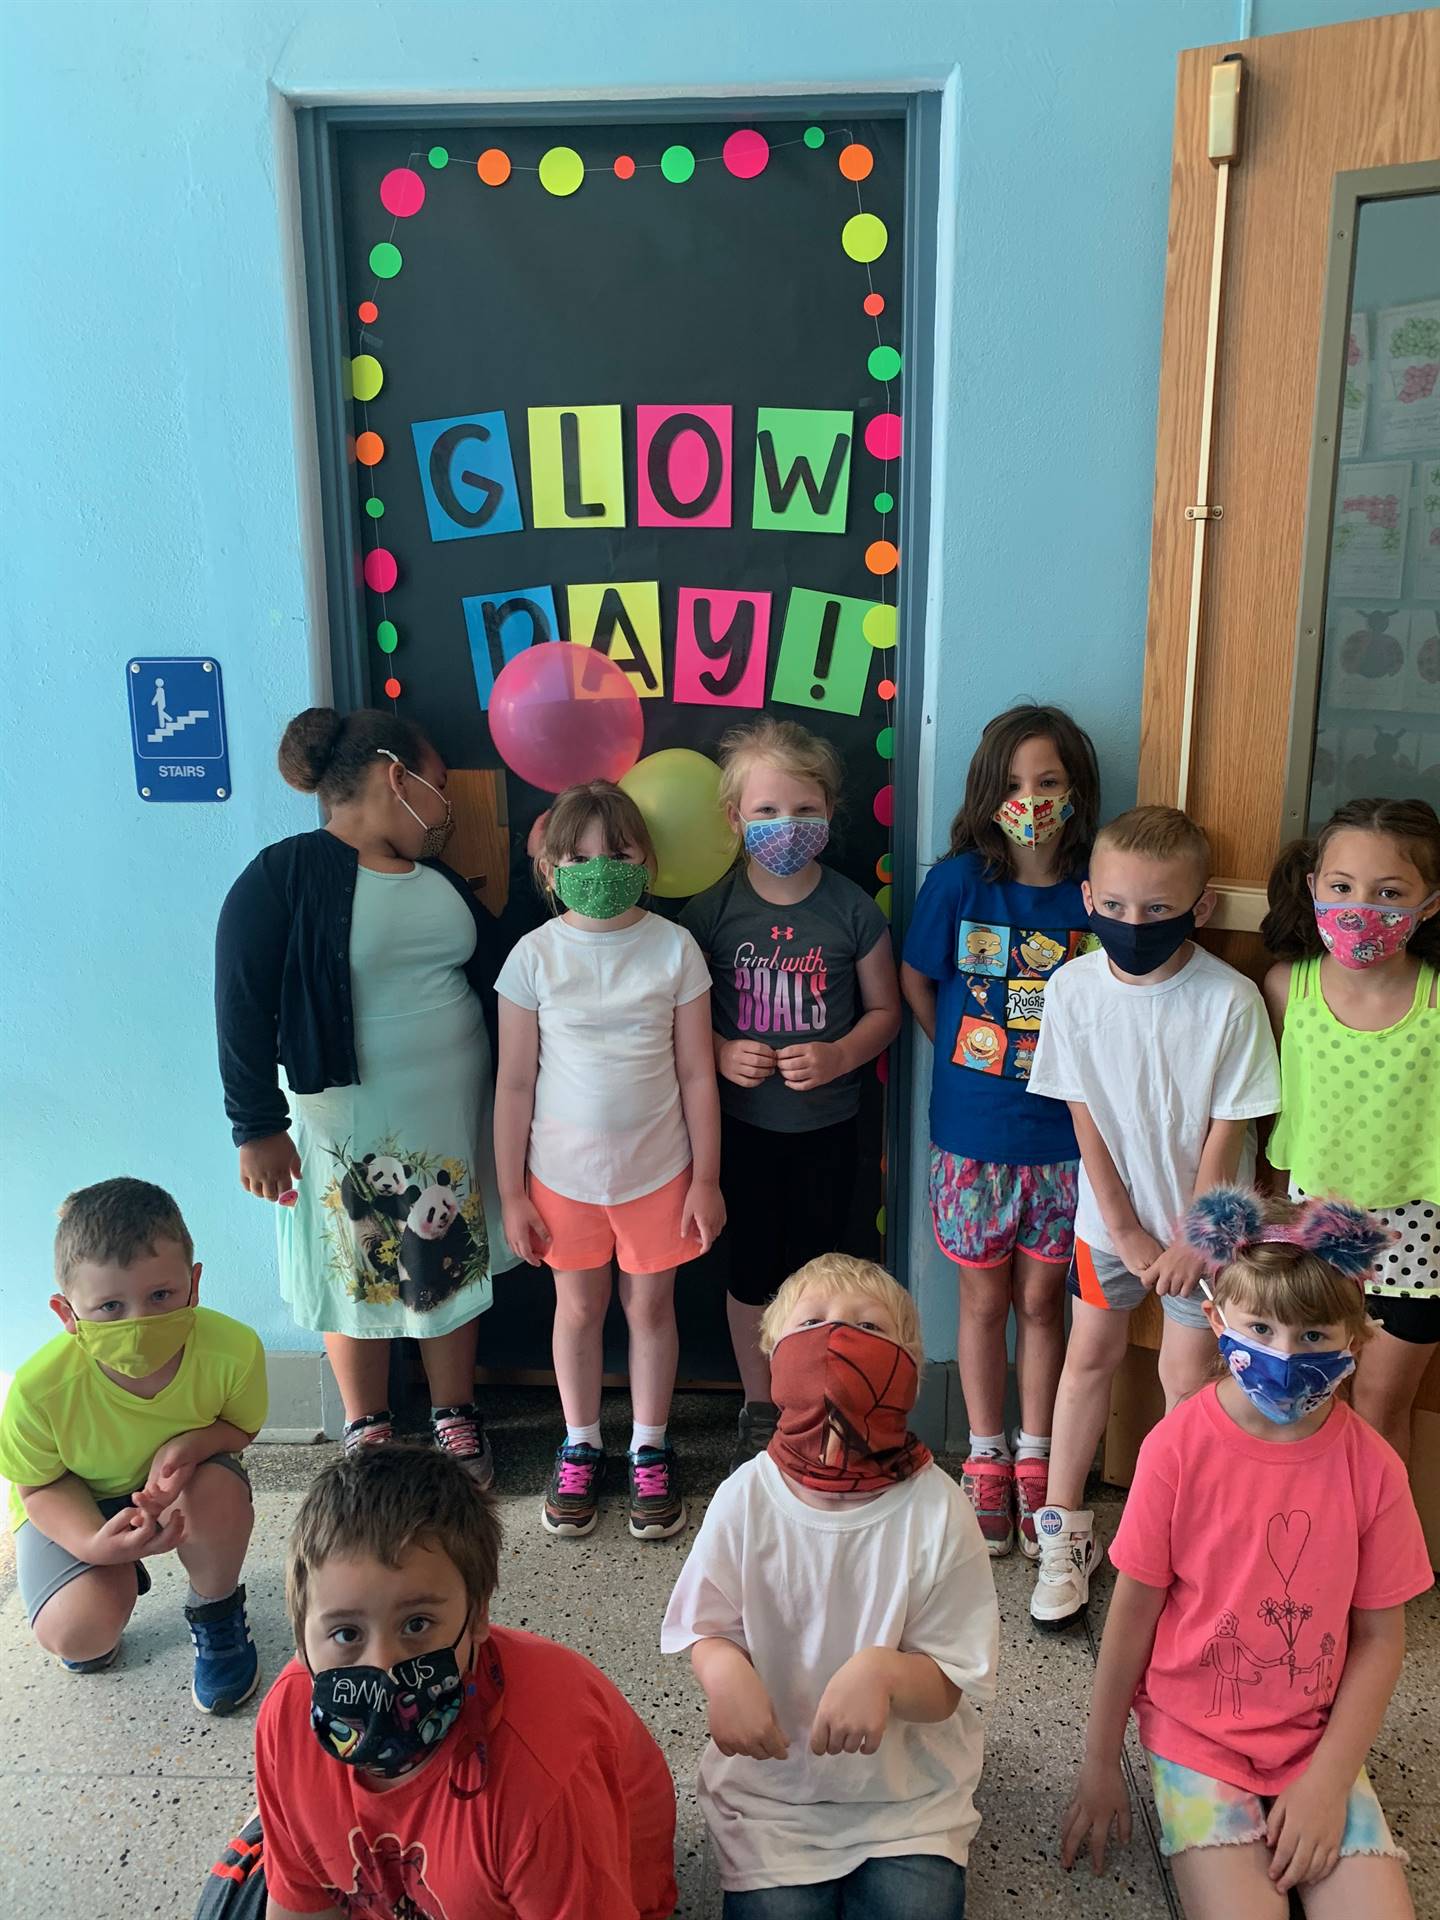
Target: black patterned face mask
x,y
387,1721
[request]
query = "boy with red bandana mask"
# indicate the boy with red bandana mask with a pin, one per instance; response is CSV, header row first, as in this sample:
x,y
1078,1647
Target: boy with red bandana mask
x,y
840,1614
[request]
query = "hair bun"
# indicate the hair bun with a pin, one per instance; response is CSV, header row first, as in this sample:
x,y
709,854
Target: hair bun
x,y
308,745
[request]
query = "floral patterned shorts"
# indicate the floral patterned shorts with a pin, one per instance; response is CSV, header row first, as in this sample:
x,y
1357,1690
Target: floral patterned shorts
x,y
1196,1811
983,1209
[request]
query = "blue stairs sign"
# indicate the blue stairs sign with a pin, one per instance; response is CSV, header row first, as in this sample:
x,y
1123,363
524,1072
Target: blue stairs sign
x,y
177,729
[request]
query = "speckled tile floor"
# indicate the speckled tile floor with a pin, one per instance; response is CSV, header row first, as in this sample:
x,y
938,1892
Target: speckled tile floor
x,y
115,1794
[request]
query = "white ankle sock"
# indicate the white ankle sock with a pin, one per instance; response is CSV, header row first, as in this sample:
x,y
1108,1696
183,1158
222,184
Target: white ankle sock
x,y
583,1436
1032,1446
988,1443
646,1437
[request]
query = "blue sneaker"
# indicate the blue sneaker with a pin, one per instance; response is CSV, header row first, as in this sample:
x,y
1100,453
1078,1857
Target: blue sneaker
x,y
98,1665
227,1667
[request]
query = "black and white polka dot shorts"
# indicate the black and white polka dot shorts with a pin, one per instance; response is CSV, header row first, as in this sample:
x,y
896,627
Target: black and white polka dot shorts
x,y
1402,1289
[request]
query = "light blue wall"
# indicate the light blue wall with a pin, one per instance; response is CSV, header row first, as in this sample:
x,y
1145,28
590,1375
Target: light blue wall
x,y
156,506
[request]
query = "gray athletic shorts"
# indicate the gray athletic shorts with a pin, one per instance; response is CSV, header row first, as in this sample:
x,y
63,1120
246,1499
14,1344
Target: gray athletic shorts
x,y
1103,1280
43,1567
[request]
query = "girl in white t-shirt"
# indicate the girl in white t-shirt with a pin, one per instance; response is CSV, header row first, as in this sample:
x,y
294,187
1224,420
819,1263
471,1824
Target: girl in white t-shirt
x,y
607,1137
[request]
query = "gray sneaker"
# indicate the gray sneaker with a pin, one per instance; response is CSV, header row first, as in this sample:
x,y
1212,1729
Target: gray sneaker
x,y
757,1424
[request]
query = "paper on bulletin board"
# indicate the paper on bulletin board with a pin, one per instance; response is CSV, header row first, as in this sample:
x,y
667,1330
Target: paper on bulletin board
x,y
1367,542
1407,377
1423,684
1381,759
1427,530
1365,658
1357,388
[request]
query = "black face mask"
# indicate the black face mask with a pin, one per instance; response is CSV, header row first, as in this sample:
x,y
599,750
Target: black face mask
x,y
1141,949
387,1721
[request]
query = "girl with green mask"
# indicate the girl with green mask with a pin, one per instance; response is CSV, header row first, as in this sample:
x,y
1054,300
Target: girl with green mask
x,y
607,1137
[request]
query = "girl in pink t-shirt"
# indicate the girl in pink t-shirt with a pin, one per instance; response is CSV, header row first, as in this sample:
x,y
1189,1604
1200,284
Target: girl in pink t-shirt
x,y
1268,1547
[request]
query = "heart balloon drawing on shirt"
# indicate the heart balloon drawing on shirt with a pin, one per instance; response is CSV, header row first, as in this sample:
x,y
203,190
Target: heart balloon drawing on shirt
x,y
1285,1538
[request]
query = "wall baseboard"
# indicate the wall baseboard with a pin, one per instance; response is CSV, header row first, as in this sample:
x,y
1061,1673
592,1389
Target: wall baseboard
x,y
304,1401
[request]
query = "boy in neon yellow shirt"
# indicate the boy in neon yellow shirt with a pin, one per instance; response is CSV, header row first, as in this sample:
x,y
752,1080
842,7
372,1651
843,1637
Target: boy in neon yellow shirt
x,y
121,1438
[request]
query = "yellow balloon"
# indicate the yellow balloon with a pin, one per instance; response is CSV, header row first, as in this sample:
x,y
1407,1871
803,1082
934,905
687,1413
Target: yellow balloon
x,y
678,792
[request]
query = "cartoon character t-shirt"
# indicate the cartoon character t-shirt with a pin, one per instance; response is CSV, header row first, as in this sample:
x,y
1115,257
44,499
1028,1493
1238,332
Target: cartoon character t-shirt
x,y
786,975
1263,1547
991,947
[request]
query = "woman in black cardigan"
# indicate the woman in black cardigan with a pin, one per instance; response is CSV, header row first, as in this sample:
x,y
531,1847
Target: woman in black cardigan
x,y
355,963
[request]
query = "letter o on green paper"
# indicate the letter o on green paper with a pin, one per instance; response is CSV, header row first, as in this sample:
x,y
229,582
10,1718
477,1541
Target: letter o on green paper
x,y
864,237
677,164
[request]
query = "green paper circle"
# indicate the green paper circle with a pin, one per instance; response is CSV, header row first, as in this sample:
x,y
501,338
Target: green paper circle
x,y
561,171
814,137
864,237
884,502
386,638
883,900
374,507
880,1221
886,866
385,260
884,363
677,164
885,743
438,157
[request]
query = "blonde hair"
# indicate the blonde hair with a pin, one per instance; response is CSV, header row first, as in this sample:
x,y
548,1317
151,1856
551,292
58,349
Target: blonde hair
x,y
1291,1285
1157,833
783,744
621,822
832,1273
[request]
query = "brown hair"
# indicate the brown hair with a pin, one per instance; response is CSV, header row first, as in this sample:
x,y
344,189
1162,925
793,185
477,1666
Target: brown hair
x,y
1157,833
621,822
833,1273
973,830
1289,930
114,1223
378,1502
780,743
1291,1285
330,753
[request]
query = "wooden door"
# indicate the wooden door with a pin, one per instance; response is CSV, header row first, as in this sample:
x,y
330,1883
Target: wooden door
x,y
1314,104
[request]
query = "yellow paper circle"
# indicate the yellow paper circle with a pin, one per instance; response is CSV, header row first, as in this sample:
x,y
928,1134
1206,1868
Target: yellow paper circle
x,y
878,626
882,900
864,237
561,171
367,376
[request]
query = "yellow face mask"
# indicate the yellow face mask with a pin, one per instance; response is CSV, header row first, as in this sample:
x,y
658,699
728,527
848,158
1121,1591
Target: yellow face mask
x,y
136,1347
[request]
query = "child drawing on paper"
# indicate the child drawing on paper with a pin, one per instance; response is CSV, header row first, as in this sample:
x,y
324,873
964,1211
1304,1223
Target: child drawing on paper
x,y
1227,1653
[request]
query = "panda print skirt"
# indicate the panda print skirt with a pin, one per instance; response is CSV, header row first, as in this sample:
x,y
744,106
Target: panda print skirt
x,y
396,1231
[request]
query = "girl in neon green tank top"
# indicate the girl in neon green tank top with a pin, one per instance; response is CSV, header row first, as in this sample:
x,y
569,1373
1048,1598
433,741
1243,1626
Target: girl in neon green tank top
x,y
1355,918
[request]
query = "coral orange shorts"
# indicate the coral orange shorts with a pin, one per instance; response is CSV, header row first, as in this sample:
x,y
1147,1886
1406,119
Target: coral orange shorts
x,y
642,1235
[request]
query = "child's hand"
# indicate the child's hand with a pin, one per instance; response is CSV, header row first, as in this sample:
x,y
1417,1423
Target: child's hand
x,y
854,1709
1100,1801
170,1473
133,1534
1176,1269
745,1063
703,1214
525,1231
1139,1250
1305,1828
742,1719
269,1167
813,1065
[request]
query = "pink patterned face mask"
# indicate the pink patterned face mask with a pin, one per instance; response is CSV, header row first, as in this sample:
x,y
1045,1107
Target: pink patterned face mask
x,y
1361,932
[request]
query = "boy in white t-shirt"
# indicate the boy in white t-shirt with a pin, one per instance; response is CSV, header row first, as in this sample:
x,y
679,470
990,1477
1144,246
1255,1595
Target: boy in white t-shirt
x,y
840,1613
1165,1057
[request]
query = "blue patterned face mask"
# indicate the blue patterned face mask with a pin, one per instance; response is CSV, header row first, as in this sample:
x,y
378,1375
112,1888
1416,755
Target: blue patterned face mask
x,y
1283,1386
784,845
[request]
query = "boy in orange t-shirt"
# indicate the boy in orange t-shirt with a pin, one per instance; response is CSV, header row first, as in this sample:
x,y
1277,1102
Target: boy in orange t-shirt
x,y
416,1763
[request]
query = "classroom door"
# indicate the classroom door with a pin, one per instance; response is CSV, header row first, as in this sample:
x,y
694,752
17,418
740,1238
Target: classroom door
x,y
1259,277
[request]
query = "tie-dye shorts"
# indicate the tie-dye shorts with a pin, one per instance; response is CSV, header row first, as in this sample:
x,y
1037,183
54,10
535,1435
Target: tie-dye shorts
x,y
1196,1811
984,1209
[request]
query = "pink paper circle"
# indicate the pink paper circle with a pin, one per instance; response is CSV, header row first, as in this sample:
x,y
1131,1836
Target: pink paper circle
x,y
882,1068
882,436
885,806
746,153
402,192
381,572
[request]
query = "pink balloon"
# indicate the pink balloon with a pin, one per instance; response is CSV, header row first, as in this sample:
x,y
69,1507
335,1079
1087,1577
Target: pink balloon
x,y
560,714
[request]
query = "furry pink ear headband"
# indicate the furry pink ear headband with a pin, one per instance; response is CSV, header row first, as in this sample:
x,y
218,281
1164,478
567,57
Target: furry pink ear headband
x,y
1224,1222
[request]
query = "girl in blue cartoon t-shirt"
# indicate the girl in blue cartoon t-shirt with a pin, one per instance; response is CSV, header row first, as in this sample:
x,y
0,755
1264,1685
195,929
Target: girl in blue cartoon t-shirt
x,y
994,920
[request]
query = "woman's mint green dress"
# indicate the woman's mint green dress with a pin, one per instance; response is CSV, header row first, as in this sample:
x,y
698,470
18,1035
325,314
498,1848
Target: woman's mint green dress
x,y
397,1227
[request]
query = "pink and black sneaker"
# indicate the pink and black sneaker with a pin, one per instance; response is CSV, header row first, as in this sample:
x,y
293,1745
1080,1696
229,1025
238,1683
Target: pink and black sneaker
x,y
988,1483
1032,1490
572,1499
656,1509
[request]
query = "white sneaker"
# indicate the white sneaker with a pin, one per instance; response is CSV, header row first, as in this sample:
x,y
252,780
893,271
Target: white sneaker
x,y
1069,1554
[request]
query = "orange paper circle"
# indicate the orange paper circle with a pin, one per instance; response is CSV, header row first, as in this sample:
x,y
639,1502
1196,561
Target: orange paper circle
x,y
855,161
369,313
874,304
392,688
493,167
369,449
882,556
624,167
886,689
